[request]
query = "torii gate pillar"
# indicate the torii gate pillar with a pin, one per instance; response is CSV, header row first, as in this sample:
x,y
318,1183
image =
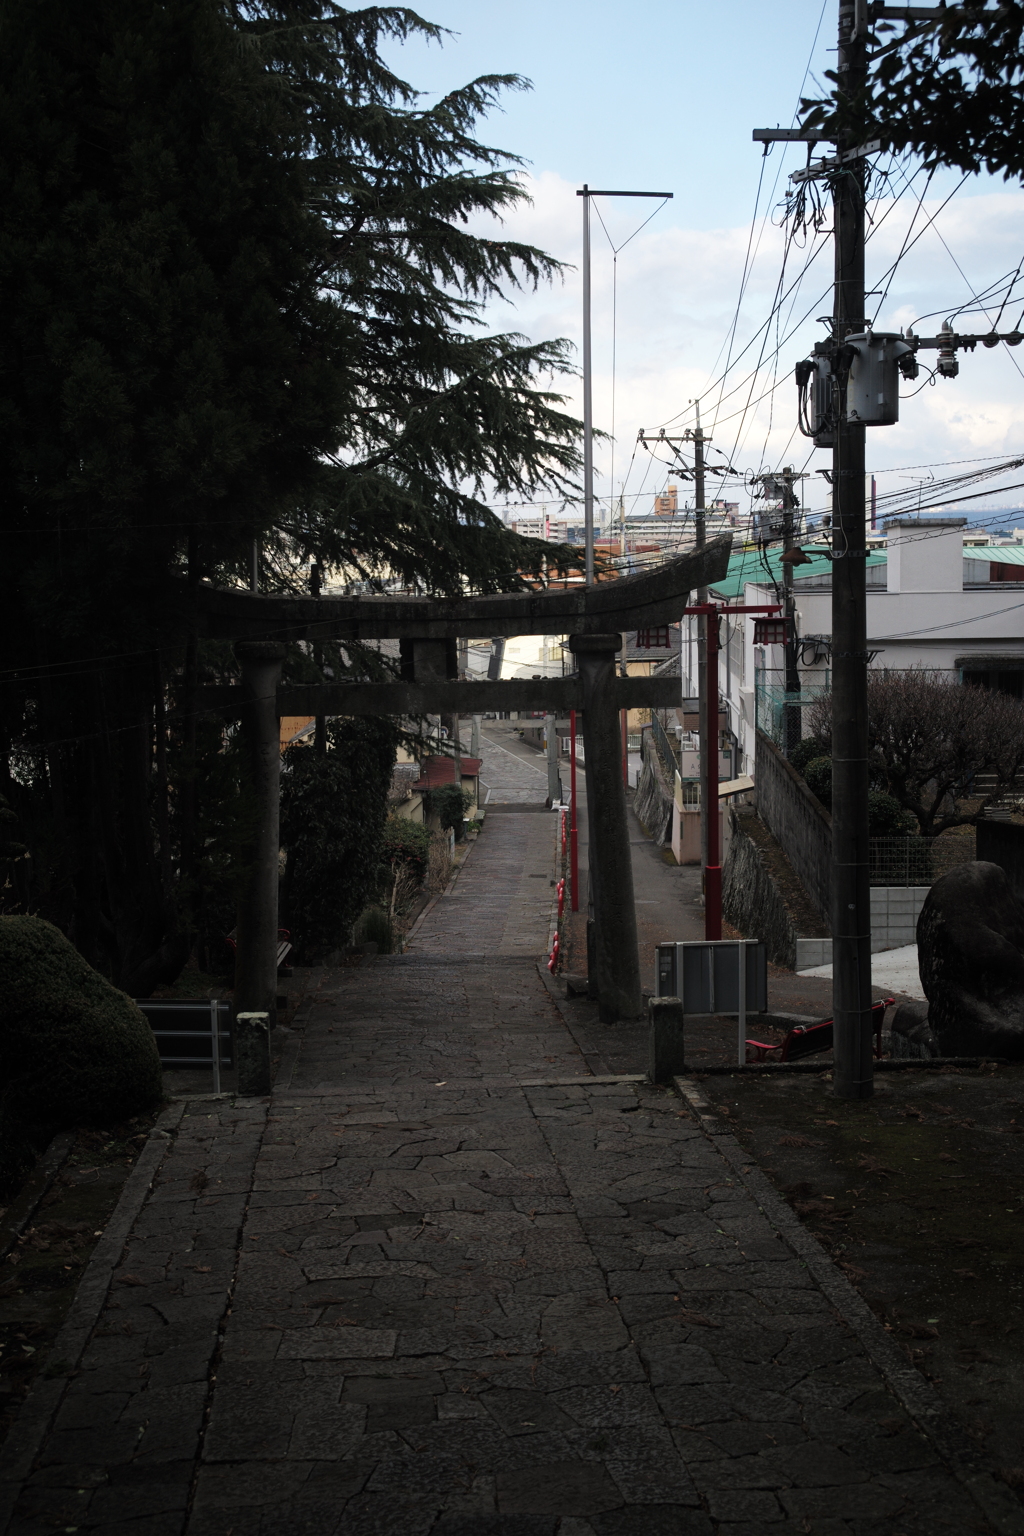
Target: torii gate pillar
x,y
615,952
256,939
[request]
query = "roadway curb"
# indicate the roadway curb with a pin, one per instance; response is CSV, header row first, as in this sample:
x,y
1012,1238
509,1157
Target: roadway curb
x,y
40,1407
1001,1507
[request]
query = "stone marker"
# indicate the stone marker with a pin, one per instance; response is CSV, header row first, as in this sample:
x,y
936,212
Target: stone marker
x,y
970,945
666,1049
252,1052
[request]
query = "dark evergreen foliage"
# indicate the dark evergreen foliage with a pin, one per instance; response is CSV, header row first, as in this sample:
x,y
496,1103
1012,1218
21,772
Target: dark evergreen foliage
x,y
241,302
333,810
949,90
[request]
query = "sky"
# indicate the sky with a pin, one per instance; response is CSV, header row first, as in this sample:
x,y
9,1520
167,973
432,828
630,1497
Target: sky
x,y
662,95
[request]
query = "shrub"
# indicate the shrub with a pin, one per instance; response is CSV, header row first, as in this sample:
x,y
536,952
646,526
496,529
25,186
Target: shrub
x,y
375,927
818,776
449,804
406,845
73,1049
806,751
333,812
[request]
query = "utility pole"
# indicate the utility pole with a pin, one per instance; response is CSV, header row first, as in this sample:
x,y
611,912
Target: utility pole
x,y
707,709
780,487
851,892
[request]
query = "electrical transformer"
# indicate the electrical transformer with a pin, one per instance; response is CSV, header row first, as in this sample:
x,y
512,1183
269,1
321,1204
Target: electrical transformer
x,y
876,360
863,373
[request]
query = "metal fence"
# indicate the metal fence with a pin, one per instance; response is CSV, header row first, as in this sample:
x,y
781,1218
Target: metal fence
x,y
918,860
771,701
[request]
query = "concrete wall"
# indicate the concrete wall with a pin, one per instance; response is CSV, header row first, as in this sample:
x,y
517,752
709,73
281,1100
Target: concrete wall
x,y
798,821
895,910
925,554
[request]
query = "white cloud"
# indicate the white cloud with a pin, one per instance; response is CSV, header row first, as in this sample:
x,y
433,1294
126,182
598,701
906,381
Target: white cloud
x,y
676,297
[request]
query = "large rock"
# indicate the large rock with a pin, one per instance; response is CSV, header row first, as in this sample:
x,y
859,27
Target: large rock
x,y
73,1049
970,946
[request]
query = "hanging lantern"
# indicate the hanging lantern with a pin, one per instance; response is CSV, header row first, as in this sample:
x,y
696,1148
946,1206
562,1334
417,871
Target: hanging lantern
x,y
770,631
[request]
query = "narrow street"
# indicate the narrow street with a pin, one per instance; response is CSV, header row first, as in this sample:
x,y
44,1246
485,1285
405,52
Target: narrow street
x,y
450,1278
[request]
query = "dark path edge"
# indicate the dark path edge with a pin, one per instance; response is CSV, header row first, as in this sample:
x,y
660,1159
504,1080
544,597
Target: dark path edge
x,y
1001,1507
36,1186
39,1409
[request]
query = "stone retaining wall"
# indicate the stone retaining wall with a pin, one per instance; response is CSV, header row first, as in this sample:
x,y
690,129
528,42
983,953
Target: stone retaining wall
x,y
797,819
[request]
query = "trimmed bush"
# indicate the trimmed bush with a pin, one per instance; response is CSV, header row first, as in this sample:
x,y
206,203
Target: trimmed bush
x,y
73,1049
407,845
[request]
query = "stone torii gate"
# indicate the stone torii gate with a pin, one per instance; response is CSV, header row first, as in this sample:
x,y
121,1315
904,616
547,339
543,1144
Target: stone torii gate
x,y
427,629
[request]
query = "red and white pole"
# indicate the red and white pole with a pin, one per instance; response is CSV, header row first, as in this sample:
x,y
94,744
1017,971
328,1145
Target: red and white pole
x,y
574,857
713,869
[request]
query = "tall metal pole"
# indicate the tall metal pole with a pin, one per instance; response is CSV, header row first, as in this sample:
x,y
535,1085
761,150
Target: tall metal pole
x,y
588,373
588,399
851,911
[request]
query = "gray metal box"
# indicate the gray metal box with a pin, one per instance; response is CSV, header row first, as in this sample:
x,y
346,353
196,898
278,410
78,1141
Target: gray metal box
x,y
704,974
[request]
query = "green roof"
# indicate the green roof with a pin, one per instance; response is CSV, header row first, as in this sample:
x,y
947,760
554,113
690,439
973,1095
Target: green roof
x,y
749,565
999,554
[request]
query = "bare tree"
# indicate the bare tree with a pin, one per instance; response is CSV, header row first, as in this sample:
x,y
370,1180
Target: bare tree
x,y
930,738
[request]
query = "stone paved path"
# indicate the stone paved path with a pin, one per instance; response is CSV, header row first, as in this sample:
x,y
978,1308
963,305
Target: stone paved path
x,y
420,1291
507,776
502,901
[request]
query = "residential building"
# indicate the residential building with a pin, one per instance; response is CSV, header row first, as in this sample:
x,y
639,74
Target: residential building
x,y
937,598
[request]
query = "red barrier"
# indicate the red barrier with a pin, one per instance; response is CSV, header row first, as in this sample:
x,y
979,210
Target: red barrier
x,y
561,896
553,958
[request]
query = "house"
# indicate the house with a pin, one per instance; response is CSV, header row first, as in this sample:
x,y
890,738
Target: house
x,y
436,772
937,598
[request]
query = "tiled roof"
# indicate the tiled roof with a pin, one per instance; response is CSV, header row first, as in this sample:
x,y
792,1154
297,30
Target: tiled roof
x,y
441,770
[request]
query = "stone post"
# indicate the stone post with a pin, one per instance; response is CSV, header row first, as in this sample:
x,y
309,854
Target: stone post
x,y
256,936
666,1045
616,956
252,1054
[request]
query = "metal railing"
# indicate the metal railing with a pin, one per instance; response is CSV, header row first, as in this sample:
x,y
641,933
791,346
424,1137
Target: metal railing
x,y
665,749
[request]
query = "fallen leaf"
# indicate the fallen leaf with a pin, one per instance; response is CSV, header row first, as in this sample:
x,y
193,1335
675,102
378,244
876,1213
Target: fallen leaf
x,y
696,1319
796,1141
947,1157
965,1274
918,1330
872,1165
130,1280
443,1084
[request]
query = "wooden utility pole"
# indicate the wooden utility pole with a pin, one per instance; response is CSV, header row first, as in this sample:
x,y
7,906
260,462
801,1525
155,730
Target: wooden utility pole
x,y
851,895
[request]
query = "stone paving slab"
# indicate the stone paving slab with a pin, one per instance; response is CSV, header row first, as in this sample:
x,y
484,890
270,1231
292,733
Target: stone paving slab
x,y
445,1282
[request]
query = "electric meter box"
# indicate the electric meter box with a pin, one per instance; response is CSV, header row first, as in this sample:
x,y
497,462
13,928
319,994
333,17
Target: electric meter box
x,y
872,389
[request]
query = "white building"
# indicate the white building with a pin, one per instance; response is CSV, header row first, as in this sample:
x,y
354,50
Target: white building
x,y
936,599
